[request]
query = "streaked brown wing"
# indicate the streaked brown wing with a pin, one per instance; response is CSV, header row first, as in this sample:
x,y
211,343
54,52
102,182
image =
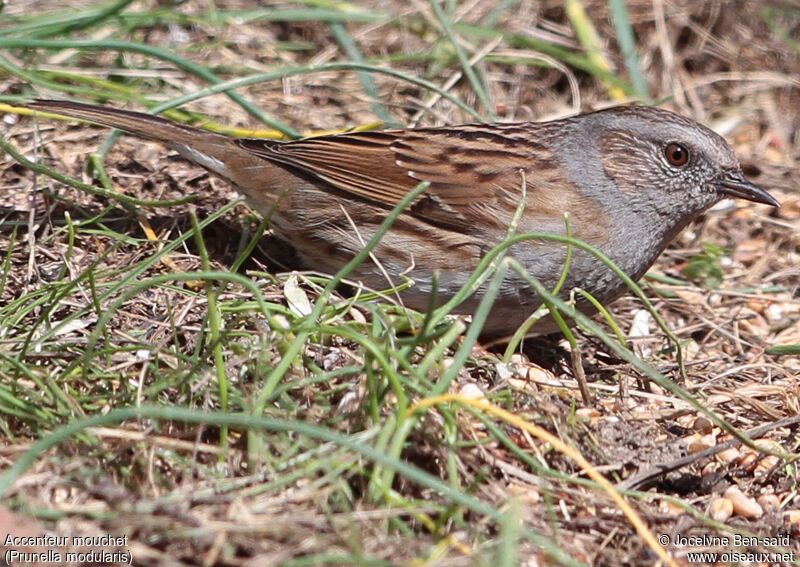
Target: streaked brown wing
x,y
470,168
362,164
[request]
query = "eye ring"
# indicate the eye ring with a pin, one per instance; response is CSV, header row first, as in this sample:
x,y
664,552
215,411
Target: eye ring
x,y
676,154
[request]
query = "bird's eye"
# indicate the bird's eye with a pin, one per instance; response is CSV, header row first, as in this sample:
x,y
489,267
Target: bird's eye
x,y
677,154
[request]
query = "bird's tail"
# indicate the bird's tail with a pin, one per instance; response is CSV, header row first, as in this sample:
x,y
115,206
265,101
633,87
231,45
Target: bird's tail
x,y
147,126
213,151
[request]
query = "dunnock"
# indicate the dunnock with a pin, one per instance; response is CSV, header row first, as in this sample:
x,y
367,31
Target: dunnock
x,y
630,178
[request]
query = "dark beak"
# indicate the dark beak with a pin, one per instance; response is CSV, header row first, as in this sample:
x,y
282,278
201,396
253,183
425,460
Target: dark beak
x,y
734,185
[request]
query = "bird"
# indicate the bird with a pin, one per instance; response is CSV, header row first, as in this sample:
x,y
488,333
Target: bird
x,y
629,179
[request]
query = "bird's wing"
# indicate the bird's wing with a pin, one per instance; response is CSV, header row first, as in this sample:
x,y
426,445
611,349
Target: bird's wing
x,y
475,171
